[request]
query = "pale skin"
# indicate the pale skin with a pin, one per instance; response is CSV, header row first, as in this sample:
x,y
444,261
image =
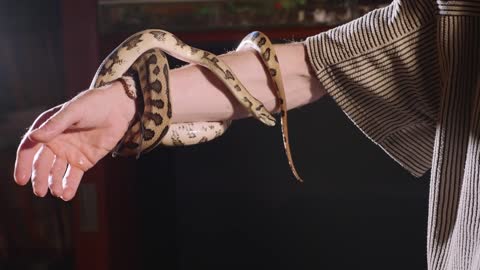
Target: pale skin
x,y
66,141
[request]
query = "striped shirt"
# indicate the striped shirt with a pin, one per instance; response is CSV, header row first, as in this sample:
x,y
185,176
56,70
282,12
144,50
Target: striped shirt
x,y
408,76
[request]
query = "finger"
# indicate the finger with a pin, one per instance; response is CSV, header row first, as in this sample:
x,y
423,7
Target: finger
x,y
27,150
68,115
71,181
23,163
42,164
56,175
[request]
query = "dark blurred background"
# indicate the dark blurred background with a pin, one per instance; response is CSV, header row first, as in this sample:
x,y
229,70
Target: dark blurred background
x,y
228,204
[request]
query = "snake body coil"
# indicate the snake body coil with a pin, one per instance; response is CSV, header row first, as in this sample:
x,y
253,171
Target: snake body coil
x,y
142,56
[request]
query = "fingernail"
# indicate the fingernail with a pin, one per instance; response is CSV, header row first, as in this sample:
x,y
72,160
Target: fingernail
x,y
32,134
20,178
34,131
36,192
54,192
44,128
67,194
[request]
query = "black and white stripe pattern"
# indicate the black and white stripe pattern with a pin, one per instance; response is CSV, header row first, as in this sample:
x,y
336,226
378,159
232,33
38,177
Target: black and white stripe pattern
x,y
408,76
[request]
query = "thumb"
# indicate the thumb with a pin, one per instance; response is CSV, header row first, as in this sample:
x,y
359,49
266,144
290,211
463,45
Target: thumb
x,y
68,115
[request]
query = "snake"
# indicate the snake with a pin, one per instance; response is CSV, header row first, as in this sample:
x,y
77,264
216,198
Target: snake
x,y
140,62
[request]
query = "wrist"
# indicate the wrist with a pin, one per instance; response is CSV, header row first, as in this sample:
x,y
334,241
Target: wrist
x,y
126,103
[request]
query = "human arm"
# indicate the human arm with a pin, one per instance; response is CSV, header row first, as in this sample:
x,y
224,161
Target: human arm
x,y
85,129
191,84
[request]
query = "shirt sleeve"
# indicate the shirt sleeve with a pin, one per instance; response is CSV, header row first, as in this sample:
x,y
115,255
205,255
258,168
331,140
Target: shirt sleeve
x,y
382,70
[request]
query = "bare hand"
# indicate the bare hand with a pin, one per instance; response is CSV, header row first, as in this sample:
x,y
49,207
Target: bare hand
x,y
66,141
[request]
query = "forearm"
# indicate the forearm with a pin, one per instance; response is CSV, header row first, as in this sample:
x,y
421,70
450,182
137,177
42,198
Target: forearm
x,y
197,95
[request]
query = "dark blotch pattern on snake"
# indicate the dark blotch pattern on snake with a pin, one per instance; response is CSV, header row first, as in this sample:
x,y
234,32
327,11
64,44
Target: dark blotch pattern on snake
x,y
176,139
108,67
194,50
159,35
132,42
229,75
273,72
180,42
259,107
250,104
262,42
266,55
152,59
214,60
157,86
148,134
157,103
157,118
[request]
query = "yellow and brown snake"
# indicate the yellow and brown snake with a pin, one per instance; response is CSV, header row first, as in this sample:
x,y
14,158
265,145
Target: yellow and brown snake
x,y
142,56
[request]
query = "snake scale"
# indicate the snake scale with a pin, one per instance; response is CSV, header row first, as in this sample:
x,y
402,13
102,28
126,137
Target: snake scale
x,y
142,57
